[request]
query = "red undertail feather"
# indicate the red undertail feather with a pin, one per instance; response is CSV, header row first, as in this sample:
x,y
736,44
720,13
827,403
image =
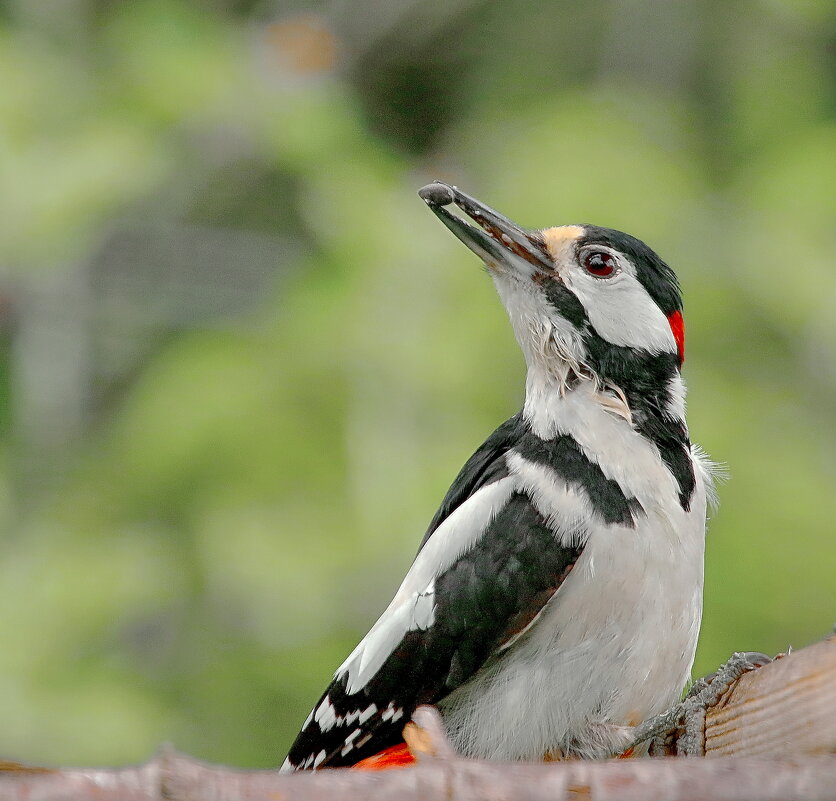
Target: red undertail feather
x,y
396,756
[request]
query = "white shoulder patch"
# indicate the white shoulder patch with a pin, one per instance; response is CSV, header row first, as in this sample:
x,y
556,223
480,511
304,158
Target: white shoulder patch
x,y
566,508
413,607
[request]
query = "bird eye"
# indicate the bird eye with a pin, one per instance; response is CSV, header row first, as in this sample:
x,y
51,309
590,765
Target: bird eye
x,y
599,263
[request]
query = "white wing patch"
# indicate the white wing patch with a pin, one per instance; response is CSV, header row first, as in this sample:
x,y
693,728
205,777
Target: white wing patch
x,y
349,742
392,713
413,607
327,717
367,713
423,615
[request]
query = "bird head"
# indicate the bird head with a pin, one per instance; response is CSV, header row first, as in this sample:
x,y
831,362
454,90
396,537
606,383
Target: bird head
x,y
584,301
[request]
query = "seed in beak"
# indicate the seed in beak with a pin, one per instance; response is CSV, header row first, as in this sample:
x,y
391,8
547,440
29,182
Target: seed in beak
x,y
437,194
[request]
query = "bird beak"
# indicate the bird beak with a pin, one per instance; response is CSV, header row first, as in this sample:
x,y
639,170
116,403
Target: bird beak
x,y
497,240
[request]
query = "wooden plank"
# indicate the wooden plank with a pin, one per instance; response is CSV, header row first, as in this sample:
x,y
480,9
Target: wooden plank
x,y
787,707
174,777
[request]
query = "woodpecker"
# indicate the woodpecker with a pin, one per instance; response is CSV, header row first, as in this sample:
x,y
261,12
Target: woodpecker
x,y
556,597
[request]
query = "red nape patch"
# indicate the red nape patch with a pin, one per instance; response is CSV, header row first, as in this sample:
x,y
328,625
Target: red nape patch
x,y
677,325
396,756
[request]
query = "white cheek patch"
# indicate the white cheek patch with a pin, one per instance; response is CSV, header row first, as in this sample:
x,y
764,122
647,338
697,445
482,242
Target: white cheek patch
x,y
622,312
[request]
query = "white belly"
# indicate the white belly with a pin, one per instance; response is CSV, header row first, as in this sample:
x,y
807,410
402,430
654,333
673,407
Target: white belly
x,y
613,647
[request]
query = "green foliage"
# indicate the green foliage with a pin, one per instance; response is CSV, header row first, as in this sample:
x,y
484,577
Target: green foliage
x,y
245,508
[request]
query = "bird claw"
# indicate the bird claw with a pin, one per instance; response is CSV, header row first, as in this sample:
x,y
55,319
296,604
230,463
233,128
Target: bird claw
x,y
742,661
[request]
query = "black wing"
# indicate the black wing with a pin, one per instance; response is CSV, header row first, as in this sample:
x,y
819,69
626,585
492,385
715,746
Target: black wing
x,y
482,599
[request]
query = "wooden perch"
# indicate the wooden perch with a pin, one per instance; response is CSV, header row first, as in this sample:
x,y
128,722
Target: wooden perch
x,y
174,777
786,707
771,736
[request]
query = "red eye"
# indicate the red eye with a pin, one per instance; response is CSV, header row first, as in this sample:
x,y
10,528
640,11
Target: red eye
x,y
599,263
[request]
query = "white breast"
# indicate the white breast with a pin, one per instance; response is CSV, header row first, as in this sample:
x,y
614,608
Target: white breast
x,y
616,642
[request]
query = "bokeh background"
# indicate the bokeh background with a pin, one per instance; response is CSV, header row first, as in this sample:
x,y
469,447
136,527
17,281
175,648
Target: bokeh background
x,y
241,362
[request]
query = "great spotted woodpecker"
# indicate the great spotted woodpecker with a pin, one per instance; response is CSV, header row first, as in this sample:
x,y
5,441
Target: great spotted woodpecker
x,y
555,600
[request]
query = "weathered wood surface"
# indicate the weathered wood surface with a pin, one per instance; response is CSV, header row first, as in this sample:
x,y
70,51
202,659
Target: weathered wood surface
x,y
771,737
786,707
173,777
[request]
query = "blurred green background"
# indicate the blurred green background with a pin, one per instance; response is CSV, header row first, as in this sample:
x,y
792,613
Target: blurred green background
x,y
241,362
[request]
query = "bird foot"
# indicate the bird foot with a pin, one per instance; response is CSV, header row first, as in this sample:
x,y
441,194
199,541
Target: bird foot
x,y
688,716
